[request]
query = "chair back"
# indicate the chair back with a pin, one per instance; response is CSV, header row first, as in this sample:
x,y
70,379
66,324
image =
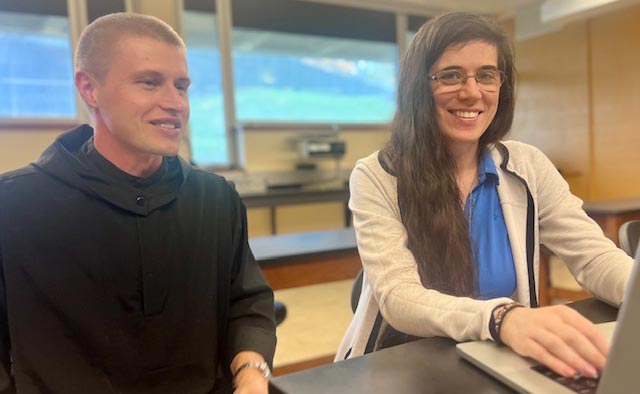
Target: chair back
x,y
629,234
356,289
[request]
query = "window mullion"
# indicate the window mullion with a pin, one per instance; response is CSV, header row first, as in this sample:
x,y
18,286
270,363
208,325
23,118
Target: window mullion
x,y
225,26
77,14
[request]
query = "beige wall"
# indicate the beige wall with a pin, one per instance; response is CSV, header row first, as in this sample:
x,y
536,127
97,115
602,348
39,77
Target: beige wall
x,y
578,99
273,150
552,105
615,54
20,147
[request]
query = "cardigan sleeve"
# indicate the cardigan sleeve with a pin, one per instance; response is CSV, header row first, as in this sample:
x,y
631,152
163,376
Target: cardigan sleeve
x,y
593,259
392,271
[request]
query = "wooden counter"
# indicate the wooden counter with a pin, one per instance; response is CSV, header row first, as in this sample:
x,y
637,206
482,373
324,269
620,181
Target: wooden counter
x,y
309,258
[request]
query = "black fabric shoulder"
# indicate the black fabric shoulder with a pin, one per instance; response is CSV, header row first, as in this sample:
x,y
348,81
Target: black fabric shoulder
x,y
504,152
17,173
384,161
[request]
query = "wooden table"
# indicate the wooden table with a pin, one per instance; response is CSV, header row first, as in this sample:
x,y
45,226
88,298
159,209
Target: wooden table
x,y
609,215
309,258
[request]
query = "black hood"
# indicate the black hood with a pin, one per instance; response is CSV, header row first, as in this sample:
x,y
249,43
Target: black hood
x,y
68,161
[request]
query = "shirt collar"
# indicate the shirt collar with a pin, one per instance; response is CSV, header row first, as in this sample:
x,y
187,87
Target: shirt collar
x,y
487,168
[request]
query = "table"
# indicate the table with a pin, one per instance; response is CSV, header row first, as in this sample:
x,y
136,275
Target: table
x,y
609,215
301,259
426,366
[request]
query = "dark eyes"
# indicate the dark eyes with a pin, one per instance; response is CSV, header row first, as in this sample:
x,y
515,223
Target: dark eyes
x,y
149,83
152,84
456,76
488,76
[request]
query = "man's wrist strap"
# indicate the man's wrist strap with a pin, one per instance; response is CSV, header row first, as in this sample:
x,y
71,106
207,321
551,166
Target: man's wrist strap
x,y
260,365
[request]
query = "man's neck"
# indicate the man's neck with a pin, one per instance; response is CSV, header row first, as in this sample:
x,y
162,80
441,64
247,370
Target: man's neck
x,y
133,163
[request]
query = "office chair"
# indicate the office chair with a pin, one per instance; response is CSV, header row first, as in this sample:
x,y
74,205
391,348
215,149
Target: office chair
x,y
629,234
356,289
280,312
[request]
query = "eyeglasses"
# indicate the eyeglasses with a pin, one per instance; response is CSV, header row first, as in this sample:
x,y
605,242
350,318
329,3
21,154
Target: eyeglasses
x,y
454,80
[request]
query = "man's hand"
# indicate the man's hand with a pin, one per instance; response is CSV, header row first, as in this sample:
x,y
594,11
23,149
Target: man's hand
x,y
558,337
249,380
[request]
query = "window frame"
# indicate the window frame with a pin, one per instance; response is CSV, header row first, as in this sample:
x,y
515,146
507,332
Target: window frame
x,y
77,14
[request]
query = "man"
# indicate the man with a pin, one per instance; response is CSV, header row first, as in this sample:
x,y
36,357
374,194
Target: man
x,y
124,269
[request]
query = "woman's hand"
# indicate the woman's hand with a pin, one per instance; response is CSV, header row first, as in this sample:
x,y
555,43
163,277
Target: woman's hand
x,y
558,337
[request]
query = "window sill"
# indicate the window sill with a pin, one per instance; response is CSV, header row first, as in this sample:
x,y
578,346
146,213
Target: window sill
x,y
43,124
326,127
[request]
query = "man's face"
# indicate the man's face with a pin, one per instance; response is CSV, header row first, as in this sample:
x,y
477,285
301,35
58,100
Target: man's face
x,y
142,106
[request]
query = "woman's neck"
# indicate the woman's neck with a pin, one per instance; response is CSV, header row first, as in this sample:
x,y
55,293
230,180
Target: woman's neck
x,y
466,158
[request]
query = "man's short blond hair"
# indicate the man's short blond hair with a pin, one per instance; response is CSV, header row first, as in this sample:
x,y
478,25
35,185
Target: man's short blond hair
x,y
99,40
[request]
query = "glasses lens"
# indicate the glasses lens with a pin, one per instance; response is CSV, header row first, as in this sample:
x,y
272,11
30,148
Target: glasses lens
x,y
450,77
489,80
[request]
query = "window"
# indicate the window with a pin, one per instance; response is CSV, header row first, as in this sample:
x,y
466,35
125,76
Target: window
x,y
305,62
209,145
36,71
36,58
415,22
285,77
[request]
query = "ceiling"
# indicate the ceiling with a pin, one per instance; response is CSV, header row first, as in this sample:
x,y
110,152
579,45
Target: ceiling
x,y
532,17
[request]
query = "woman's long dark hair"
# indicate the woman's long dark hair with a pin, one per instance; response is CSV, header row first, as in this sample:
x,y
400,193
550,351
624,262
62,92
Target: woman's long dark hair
x,y
428,195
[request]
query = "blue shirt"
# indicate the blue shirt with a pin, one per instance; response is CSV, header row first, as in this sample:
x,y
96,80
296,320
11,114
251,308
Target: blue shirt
x,y
489,239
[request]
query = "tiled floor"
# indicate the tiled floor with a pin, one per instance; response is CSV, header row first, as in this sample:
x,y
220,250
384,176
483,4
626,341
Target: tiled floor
x,y
318,316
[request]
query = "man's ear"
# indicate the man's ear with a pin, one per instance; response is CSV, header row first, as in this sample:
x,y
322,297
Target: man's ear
x,y
86,86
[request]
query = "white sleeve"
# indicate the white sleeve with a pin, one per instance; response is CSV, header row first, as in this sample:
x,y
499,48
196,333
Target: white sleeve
x,y
392,271
593,259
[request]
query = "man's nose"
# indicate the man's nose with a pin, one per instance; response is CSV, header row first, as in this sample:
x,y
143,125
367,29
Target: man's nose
x,y
174,99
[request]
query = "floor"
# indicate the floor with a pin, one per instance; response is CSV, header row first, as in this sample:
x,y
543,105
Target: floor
x,y
318,316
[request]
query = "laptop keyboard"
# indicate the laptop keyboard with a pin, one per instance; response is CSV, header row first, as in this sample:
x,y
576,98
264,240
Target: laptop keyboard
x,y
581,385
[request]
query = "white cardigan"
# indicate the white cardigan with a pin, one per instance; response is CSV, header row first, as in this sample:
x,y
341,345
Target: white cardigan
x,y
392,284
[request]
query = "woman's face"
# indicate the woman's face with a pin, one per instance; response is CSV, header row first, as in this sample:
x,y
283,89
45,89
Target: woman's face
x,y
465,114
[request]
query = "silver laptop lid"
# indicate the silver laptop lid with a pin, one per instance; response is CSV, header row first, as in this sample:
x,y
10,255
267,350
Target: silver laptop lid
x,y
620,374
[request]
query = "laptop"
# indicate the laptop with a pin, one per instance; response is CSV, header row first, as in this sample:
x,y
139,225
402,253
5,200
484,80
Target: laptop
x,y
526,376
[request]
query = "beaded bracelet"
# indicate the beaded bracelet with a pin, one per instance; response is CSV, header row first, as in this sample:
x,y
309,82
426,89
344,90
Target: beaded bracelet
x,y
497,317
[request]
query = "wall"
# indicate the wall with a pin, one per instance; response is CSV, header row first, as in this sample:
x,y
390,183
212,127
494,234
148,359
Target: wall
x,y
552,105
578,97
615,54
272,150
20,147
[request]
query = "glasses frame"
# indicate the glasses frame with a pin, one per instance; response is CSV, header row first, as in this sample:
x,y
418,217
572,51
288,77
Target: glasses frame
x,y
459,86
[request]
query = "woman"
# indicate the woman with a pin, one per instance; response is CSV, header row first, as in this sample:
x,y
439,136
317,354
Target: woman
x,y
449,219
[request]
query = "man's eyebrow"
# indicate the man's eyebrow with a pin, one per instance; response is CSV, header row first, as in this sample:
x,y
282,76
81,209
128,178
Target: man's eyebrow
x,y
147,73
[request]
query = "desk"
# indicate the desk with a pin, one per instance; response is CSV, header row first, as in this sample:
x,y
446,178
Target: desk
x,y
302,259
422,367
609,215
